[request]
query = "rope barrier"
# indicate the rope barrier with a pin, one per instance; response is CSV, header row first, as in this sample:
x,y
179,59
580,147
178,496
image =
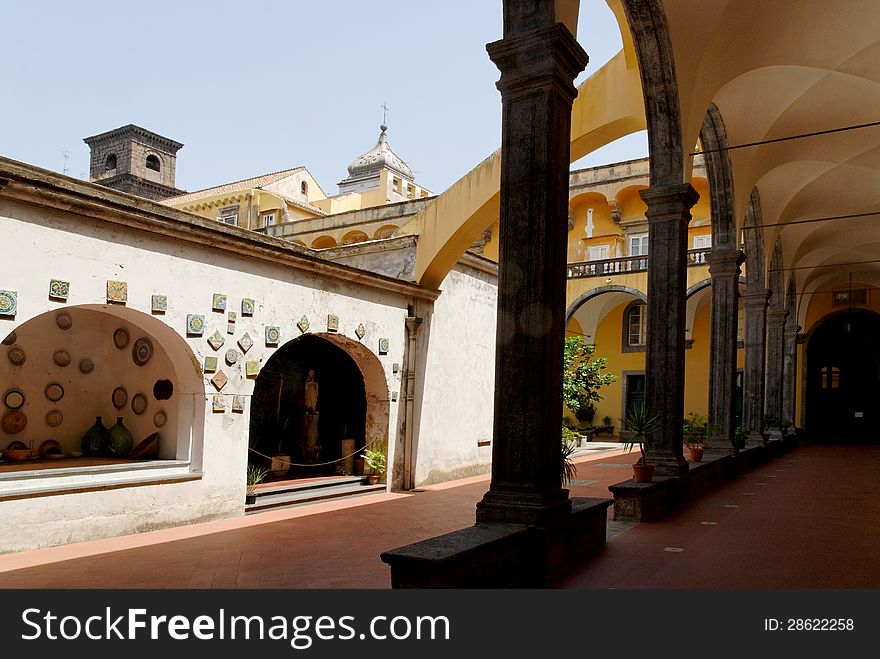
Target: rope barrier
x,y
314,464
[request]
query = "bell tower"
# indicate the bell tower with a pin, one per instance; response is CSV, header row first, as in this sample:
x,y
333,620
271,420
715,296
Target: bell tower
x,y
134,160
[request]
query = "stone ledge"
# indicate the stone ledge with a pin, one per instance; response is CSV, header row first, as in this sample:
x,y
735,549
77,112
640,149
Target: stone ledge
x,y
643,502
501,555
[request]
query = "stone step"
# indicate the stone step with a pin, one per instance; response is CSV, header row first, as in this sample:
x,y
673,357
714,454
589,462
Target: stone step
x,y
296,493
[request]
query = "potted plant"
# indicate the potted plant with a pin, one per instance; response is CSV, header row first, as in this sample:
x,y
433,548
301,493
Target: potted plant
x,y
375,463
784,427
770,422
695,435
637,427
255,476
568,447
739,436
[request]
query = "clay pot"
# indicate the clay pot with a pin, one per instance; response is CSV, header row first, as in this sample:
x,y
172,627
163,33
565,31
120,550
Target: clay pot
x,y
693,453
643,473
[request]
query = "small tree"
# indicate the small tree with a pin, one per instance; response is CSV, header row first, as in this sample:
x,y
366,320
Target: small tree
x,y
582,375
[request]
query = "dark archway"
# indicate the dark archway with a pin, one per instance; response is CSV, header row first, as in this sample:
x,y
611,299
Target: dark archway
x,y
843,377
278,412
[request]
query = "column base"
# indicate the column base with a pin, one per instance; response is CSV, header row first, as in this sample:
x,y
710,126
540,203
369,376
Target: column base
x,y
668,465
529,507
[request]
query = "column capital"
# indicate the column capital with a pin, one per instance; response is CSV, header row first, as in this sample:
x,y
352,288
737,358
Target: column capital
x,y
669,199
533,60
725,262
413,323
776,316
756,298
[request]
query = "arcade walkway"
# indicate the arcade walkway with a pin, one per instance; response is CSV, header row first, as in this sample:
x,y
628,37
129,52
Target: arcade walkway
x,y
807,519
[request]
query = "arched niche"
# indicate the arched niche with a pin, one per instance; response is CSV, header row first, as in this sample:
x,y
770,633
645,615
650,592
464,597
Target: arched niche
x,y
86,352
352,403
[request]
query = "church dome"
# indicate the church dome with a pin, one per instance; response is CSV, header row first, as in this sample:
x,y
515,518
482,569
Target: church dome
x,y
381,156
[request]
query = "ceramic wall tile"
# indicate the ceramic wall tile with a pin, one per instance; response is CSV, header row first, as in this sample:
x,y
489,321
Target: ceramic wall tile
x,y
247,307
195,324
216,340
218,302
58,289
117,291
8,303
159,303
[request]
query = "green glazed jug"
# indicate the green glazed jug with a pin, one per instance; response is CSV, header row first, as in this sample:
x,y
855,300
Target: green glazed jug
x,y
94,439
119,442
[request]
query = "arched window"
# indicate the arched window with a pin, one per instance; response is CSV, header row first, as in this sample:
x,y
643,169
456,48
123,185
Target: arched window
x,y
635,326
304,188
153,162
110,163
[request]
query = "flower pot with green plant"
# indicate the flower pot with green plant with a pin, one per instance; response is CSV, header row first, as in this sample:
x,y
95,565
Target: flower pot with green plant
x,y
375,464
638,424
695,435
568,470
255,476
740,435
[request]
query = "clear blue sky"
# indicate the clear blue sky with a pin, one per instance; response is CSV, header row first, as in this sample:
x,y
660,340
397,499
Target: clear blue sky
x,y
258,86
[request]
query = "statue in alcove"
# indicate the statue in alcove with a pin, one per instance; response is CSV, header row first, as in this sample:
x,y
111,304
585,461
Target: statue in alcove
x,y
311,448
311,392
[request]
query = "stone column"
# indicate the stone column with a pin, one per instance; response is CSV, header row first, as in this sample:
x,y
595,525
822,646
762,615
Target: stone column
x,y
538,65
789,370
413,323
668,216
755,303
724,268
775,338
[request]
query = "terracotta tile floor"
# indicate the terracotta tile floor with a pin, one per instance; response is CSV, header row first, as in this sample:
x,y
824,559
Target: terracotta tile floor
x,y
813,521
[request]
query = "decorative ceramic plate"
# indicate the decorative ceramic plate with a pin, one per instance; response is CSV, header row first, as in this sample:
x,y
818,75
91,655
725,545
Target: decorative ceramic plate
x,y
86,365
119,397
13,422
120,338
54,392
142,351
13,399
64,321
61,358
231,356
160,418
139,404
54,418
16,356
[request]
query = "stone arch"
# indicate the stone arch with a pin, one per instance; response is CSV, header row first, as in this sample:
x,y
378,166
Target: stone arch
x,y
86,361
386,231
647,22
713,137
352,404
753,238
323,242
355,236
579,301
153,162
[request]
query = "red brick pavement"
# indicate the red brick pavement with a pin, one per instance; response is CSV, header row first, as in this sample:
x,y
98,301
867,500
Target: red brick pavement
x,y
811,521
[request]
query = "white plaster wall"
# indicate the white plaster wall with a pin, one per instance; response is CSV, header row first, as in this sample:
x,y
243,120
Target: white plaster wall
x,y
46,244
457,378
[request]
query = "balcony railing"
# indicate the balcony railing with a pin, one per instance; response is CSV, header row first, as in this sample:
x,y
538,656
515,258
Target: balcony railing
x,y
626,264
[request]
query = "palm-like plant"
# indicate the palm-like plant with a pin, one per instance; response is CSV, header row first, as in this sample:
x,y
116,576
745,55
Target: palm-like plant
x,y
638,424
